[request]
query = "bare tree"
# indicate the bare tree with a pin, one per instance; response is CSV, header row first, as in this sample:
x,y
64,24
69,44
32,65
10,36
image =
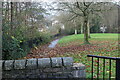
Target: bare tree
x,y
82,9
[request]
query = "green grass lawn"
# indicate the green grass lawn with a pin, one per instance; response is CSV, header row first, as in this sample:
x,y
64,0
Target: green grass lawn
x,y
98,36
101,44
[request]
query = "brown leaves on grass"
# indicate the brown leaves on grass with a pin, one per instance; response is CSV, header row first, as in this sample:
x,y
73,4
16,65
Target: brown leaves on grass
x,y
44,51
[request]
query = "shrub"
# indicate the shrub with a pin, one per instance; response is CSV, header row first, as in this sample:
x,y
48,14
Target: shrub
x,y
11,48
17,42
43,38
46,37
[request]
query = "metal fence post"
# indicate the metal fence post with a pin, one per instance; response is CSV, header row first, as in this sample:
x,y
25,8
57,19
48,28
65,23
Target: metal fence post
x,y
118,69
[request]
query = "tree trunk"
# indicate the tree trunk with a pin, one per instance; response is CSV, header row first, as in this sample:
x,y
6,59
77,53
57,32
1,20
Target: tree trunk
x,y
11,22
86,30
8,13
3,13
26,6
75,31
81,29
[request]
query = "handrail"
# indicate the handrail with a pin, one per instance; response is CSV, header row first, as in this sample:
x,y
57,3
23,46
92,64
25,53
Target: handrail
x,y
113,58
117,59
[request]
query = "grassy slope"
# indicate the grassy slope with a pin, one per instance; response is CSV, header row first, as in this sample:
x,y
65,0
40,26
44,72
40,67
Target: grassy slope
x,y
101,44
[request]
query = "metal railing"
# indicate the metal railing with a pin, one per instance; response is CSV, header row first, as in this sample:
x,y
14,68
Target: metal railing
x,y
117,60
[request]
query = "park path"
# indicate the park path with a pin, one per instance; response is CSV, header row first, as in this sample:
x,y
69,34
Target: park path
x,y
53,43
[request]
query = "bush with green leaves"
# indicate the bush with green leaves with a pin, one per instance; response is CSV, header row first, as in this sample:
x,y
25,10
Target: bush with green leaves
x,y
11,48
16,47
17,42
43,38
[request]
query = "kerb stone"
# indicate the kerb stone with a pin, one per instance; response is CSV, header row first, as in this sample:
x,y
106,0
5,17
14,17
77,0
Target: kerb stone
x,y
19,64
31,64
56,62
67,61
44,62
8,65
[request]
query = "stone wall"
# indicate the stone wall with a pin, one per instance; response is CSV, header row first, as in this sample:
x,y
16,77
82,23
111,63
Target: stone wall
x,y
58,67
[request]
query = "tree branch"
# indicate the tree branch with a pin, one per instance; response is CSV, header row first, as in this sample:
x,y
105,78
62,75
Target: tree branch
x,y
73,17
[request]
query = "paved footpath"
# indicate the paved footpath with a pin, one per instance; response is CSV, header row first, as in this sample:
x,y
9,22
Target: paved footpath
x,y
53,43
